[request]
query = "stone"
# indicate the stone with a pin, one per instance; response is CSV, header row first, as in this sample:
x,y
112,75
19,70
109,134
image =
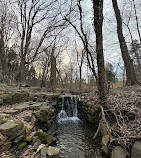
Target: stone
x,y
136,150
29,138
45,138
21,146
34,139
44,151
5,147
18,139
119,152
53,151
12,111
28,118
93,115
3,139
29,129
21,108
40,147
38,155
105,140
35,106
44,114
36,144
1,101
7,98
12,128
4,118
104,150
20,96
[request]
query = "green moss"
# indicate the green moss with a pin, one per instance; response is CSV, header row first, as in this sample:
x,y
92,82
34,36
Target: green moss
x,y
45,138
21,146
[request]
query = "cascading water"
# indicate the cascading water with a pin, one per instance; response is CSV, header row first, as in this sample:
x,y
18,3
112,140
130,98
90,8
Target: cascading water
x,y
69,109
73,135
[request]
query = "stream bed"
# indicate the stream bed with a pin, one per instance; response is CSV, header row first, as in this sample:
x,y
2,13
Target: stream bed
x,y
75,139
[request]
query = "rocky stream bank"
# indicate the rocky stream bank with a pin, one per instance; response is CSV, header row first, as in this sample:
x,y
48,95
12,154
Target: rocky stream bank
x,y
27,123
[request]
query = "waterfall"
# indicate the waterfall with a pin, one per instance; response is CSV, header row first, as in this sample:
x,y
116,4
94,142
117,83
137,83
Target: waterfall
x,y
69,108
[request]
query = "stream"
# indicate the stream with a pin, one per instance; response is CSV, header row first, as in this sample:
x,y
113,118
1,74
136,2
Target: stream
x,y
74,137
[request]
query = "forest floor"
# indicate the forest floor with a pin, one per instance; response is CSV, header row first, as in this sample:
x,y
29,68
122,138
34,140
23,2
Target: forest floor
x,y
124,105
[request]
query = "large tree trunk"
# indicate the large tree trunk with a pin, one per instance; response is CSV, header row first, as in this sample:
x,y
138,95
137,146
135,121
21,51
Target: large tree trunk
x,y
130,72
98,21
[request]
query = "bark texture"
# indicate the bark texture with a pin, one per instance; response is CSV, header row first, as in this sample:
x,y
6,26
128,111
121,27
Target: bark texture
x,y
98,22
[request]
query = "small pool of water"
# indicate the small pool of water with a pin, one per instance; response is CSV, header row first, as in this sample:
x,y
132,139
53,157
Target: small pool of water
x,y
75,139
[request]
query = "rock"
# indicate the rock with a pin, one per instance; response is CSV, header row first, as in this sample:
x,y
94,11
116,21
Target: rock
x,y
7,98
45,138
4,118
119,152
1,101
38,155
20,96
104,150
34,139
53,151
21,107
5,144
12,128
44,151
12,111
29,129
5,147
36,144
40,147
29,138
18,139
45,114
105,140
35,106
93,115
28,118
3,139
21,146
136,150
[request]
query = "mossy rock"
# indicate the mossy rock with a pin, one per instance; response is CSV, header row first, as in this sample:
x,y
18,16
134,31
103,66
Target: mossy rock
x,y
44,114
7,98
21,146
45,138
12,129
20,96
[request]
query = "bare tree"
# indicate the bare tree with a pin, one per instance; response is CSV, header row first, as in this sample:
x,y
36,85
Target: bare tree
x,y
6,31
130,72
137,22
84,38
33,14
98,22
